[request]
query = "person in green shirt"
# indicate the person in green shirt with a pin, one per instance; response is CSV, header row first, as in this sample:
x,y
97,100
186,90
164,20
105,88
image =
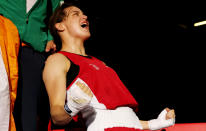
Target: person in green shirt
x,y
31,111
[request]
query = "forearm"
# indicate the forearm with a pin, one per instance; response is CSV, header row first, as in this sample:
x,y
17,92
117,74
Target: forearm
x,y
54,76
144,125
162,121
59,116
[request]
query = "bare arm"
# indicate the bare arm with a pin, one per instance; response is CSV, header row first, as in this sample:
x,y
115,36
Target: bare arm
x,y
54,76
144,124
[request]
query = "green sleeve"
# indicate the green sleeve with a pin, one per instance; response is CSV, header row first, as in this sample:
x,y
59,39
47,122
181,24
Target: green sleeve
x,y
55,4
49,37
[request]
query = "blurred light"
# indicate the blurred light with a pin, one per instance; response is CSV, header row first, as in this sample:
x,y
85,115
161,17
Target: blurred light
x,y
182,26
200,23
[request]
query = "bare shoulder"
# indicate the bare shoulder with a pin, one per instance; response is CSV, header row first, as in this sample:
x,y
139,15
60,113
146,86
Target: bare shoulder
x,y
56,58
56,63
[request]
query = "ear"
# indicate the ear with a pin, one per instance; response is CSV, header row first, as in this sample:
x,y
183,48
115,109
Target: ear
x,y
59,27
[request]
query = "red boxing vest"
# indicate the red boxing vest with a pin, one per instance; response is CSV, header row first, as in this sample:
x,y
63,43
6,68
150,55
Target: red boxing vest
x,y
103,82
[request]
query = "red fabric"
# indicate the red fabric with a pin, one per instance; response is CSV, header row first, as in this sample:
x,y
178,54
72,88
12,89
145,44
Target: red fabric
x,y
176,127
78,125
186,127
49,128
121,129
103,81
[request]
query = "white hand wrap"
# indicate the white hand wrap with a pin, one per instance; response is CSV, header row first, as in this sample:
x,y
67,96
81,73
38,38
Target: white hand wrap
x,y
161,121
76,98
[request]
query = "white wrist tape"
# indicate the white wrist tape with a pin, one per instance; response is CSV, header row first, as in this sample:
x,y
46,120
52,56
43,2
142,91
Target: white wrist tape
x,y
161,121
76,98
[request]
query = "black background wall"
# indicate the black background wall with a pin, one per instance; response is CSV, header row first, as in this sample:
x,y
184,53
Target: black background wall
x,y
156,51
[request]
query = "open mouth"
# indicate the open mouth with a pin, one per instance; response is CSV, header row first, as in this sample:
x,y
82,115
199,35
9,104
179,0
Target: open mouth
x,y
85,25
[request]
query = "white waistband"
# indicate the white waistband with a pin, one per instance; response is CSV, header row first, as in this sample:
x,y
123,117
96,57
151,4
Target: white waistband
x,y
120,117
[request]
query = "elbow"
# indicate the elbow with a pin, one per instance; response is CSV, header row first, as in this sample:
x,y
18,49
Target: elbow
x,y
56,121
60,122
60,117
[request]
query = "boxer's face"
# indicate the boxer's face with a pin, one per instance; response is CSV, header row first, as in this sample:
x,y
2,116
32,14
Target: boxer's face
x,y
76,23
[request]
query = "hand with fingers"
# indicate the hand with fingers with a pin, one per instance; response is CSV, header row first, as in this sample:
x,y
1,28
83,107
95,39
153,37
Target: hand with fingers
x,y
50,46
170,113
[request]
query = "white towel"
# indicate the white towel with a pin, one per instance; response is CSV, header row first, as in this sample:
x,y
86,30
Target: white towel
x,y
4,97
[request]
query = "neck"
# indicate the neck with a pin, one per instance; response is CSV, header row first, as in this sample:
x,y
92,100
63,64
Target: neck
x,y
75,46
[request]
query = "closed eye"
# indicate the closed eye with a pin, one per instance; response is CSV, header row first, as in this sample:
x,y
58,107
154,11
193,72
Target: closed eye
x,y
76,13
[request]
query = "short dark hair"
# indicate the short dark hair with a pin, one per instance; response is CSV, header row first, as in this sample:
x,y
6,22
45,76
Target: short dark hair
x,y
58,16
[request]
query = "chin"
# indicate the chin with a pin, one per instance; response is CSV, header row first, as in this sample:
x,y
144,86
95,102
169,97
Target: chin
x,y
87,36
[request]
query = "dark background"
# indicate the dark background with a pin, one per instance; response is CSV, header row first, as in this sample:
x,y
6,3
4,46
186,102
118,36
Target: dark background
x,y
156,50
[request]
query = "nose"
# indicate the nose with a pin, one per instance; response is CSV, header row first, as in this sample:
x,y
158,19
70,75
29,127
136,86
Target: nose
x,y
85,17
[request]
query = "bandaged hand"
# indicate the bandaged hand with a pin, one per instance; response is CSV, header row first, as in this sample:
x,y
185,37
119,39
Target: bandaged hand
x,y
78,97
165,119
